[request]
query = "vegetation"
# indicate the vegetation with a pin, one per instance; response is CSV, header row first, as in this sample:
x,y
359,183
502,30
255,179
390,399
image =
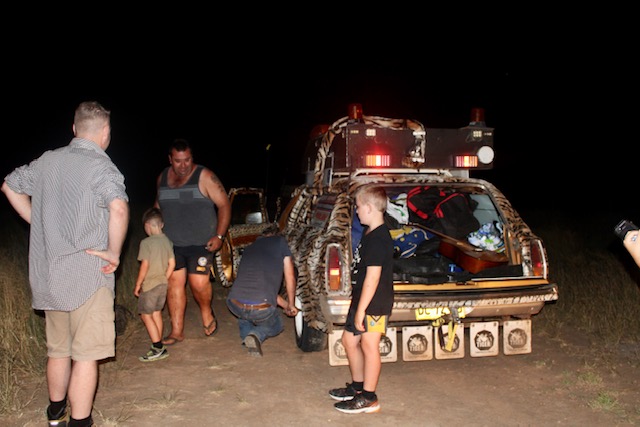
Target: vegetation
x,y
22,347
599,284
22,344
598,281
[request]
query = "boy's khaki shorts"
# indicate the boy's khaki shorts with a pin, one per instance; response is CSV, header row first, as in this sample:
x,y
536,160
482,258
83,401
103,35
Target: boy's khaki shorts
x,y
87,333
153,299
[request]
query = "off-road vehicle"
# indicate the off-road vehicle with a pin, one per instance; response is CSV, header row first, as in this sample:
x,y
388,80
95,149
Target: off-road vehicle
x,y
465,259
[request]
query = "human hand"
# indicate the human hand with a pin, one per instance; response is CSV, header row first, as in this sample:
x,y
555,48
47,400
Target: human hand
x,y
291,310
112,259
632,244
631,237
214,244
359,321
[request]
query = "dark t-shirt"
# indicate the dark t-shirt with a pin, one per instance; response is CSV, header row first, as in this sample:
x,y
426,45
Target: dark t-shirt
x,y
261,270
375,249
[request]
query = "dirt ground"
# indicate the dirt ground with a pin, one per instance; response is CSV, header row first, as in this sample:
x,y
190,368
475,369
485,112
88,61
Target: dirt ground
x,y
213,381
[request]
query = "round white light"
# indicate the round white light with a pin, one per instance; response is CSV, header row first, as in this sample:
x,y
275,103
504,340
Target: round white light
x,y
485,154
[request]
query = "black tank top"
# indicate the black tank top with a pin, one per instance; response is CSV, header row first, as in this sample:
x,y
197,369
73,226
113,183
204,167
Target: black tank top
x,y
190,218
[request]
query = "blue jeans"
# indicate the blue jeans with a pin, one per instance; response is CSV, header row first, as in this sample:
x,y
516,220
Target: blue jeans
x,y
263,323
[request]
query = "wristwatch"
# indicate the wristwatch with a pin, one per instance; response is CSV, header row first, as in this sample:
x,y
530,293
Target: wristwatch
x,y
220,236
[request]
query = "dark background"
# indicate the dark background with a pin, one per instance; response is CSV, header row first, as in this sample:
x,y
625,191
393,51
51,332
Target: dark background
x,y
564,120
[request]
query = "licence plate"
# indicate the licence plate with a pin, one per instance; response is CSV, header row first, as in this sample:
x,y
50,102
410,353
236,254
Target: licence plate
x,y
434,313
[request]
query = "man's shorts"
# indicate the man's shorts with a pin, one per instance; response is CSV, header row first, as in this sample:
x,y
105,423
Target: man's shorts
x,y
153,299
197,259
86,333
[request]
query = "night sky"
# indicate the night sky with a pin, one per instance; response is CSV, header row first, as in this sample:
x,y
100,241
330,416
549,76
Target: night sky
x,y
564,132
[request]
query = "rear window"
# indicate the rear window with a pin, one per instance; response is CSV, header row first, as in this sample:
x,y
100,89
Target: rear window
x,y
247,209
452,210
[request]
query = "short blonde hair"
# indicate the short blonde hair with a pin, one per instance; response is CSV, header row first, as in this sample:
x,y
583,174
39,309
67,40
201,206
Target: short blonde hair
x,y
376,195
91,116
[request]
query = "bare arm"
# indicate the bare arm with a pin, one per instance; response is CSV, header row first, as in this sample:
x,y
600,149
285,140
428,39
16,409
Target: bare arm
x,y
170,267
290,285
632,244
20,202
118,224
212,188
142,273
371,280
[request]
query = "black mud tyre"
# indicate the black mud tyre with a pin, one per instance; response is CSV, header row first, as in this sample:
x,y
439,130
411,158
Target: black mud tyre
x,y
308,339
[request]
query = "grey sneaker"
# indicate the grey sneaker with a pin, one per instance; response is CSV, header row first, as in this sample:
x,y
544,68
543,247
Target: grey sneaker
x,y
155,354
62,419
358,405
253,345
344,393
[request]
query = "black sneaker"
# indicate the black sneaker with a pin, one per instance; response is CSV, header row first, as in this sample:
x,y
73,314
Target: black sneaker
x,y
155,354
358,404
344,393
253,345
61,420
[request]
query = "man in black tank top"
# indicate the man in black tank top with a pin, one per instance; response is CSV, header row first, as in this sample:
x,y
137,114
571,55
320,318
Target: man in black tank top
x,y
197,213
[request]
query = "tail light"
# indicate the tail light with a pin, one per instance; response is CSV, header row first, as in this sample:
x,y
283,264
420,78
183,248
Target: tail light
x,y
466,161
538,259
377,160
334,268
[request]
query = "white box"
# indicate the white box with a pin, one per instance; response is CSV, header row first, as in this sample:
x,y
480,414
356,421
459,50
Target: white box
x,y
456,350
484,339
388,347
516,337
417,343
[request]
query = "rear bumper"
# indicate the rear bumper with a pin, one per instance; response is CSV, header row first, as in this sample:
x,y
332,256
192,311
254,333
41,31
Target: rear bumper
x,y
481,302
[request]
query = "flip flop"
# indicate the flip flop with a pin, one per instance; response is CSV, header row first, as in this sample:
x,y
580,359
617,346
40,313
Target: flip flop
x,y
207,329
171,340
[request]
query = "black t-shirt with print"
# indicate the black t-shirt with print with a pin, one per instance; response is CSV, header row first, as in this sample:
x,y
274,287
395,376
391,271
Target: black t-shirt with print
x,y
375,249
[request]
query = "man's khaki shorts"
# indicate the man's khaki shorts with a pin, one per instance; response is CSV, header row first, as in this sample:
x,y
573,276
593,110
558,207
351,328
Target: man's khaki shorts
x,y
87,333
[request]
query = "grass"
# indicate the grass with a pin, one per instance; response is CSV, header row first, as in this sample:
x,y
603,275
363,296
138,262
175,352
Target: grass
x,y
598,282
605,401
22,347
599,285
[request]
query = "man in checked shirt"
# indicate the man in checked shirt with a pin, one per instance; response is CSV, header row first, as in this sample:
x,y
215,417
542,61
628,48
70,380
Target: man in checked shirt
x,y
74,198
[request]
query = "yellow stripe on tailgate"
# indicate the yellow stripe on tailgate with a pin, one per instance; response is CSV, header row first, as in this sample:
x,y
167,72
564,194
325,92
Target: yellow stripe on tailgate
x,y
472,284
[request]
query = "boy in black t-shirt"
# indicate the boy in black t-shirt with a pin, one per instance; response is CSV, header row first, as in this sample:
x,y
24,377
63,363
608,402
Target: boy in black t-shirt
x,y
371,304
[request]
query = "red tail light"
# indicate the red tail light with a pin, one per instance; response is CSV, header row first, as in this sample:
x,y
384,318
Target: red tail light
x,y
334,268
538,259
377,160
466,161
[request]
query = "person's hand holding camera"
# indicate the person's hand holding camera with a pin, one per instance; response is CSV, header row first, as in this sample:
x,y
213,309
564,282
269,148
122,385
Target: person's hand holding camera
x,y
628,232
